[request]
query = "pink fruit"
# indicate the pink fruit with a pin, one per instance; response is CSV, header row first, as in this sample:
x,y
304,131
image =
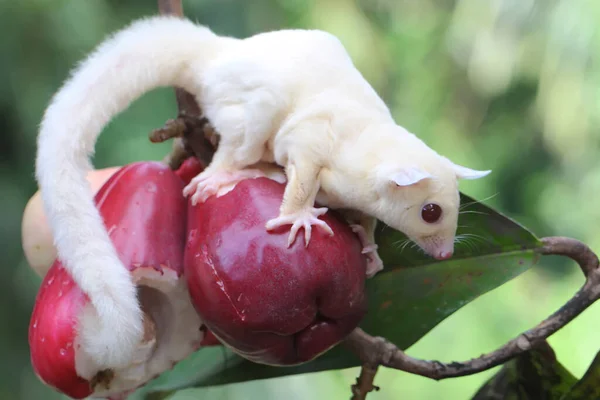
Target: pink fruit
x,y
269,303
189,169
145,213
36,237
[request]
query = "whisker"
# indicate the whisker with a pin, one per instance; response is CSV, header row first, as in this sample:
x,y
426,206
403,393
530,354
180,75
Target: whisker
x,y
406,243
475,236
419,249
402,244
478,201
472,239
473,212
401,240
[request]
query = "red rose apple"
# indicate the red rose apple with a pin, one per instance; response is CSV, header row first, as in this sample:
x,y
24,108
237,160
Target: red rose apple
x,y
145,213
270,303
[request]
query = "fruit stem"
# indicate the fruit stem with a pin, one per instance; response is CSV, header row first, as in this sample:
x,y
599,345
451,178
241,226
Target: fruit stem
x,y
188,130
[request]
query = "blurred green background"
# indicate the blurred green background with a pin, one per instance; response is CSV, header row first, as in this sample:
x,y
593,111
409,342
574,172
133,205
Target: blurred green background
x,y
510,85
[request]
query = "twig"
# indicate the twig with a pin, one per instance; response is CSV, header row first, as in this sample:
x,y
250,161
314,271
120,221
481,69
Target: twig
x,y
172,7
187,130
193,136
364,382
374,351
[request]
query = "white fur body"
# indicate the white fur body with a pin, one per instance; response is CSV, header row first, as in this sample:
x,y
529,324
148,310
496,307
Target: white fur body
x,y
293,97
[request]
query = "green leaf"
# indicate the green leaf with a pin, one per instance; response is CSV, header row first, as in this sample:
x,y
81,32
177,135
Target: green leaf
x,y
412,287
535,375
589,385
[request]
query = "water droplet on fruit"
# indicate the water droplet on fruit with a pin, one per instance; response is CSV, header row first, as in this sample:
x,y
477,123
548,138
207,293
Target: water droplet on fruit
x,y
62,352
43,339
35,324
50,281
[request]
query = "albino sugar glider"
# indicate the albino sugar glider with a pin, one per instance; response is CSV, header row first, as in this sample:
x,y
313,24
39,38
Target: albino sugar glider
x,y
292,97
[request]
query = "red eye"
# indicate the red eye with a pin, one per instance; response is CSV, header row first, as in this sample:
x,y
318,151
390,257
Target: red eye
x,y
431,213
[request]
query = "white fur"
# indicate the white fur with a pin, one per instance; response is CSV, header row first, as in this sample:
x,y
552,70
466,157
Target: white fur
x,y
409,176
148,54
293,97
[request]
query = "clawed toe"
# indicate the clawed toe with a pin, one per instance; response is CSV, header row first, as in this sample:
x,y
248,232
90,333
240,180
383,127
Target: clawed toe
x,y
358,229
208,183
201,195
303,219
192,186
369,249
374,265
325,226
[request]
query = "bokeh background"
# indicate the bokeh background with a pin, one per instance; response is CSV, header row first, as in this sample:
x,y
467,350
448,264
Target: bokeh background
x,y
511,85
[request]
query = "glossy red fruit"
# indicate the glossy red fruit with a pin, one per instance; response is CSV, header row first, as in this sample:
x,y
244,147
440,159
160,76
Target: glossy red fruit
x,y
188,170
271,304
190,167
145,213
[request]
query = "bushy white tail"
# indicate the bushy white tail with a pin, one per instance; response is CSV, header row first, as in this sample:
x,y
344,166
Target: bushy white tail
x,y
153,52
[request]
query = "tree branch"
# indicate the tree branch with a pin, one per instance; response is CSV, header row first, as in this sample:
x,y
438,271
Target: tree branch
x,y
189,123
375,351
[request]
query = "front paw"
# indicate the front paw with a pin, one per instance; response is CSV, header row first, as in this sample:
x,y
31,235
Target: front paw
x,y
302,219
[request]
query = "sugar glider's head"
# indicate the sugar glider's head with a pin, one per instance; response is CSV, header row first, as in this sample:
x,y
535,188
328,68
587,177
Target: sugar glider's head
x,y
420,198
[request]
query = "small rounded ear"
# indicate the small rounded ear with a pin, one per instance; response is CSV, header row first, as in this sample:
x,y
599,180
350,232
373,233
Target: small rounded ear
x,y
409,176
468,173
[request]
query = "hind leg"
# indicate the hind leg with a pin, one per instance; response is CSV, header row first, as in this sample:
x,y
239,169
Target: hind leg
x,y
365,230
364,227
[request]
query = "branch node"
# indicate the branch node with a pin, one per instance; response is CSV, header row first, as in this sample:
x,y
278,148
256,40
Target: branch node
x,y
385,351
173,128
523,342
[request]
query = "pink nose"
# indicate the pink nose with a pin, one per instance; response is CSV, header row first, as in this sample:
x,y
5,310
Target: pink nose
x,y
444,255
